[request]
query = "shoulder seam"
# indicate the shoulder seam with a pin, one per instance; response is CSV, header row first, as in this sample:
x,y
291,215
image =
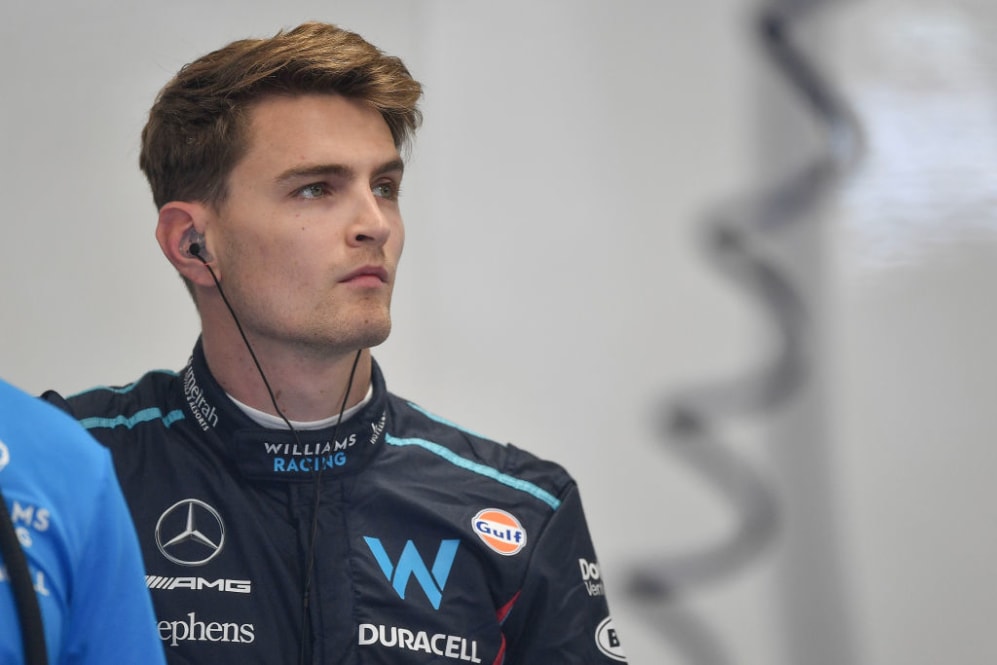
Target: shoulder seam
x,y
443,421
476,467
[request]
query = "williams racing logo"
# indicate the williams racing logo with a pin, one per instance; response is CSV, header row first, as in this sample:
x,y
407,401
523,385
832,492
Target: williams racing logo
x,y
308,457
411,564
298,455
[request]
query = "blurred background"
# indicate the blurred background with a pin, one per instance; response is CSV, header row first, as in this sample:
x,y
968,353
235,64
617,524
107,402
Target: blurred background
x,y
756,335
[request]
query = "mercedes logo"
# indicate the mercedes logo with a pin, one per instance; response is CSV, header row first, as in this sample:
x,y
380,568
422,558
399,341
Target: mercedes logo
x,y
190,533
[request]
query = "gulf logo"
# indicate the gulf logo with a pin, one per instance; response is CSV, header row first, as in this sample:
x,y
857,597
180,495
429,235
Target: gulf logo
x,y
499,530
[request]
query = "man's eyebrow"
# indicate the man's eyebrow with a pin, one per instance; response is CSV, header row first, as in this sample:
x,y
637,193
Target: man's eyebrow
x,y
339,170
389,166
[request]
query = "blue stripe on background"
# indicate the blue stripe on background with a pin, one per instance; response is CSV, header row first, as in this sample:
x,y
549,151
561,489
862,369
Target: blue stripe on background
x,y
487,471
142,416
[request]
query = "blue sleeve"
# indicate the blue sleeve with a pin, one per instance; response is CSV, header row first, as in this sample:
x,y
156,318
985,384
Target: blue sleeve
x,y
110,618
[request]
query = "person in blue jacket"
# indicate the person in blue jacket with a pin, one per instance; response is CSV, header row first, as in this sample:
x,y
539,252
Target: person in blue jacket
x,y
70,542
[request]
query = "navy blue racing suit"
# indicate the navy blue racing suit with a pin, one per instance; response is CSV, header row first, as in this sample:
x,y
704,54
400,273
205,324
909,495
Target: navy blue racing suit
x,y
432,544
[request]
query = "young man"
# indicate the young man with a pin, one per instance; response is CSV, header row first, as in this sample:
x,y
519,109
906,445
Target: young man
x,y
71,586
290,508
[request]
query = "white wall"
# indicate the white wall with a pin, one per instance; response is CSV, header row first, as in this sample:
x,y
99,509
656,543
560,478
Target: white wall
x,y
915,249
554,292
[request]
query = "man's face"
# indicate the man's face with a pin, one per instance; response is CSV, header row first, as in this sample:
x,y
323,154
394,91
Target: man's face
x,y
309,236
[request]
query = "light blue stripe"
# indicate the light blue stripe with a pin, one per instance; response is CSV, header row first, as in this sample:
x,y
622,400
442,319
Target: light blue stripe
x,y
444,421
487,471
123,389
142,416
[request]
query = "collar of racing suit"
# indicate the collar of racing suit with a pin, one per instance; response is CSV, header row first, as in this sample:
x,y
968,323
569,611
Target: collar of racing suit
x,y
279,454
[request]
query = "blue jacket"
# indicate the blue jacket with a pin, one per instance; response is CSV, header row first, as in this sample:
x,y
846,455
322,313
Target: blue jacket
x,y
432,544
74,528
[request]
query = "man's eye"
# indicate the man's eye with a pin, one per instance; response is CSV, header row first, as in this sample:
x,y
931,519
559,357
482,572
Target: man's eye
x,y
386,190
313,191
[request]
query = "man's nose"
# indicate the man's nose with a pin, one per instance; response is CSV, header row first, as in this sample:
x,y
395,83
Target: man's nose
x,y
370,224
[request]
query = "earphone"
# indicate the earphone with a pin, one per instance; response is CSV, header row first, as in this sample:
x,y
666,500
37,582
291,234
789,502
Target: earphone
x,y
192,245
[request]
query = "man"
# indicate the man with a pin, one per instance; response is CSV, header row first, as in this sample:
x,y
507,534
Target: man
x,y
71,586
290,509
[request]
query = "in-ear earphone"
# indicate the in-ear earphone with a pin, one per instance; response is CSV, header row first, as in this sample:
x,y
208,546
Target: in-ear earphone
x,y
192,245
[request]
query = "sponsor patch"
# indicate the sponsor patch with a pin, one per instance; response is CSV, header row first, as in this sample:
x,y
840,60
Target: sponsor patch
x,y
190,533
166,583
410,564
500,530
441,645
192,629
608,640
592,578
203,410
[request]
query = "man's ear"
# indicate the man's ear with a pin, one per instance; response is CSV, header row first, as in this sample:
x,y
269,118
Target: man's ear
x,y
180,233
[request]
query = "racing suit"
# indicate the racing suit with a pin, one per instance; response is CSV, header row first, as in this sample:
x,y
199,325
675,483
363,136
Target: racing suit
x,y
74,529
431,543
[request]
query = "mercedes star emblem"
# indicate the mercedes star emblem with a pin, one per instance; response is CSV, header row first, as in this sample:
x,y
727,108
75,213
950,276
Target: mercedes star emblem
x,y
190,533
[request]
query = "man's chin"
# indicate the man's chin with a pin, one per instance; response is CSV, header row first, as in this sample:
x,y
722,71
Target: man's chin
x,y
376,339
369,335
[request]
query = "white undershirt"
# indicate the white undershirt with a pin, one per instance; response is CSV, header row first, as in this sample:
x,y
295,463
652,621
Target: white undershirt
x,y
276,422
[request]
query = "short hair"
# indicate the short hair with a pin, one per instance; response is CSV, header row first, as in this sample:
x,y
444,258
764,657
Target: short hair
x,y
197,127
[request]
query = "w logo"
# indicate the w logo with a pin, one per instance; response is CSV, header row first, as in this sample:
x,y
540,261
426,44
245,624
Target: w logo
x,y
410,563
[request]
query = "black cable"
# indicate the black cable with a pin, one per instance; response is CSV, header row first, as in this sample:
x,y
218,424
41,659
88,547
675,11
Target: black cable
x,y
195,251
314,532
28,611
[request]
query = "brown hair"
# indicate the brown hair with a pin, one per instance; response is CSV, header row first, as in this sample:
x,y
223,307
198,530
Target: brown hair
x,y
196,131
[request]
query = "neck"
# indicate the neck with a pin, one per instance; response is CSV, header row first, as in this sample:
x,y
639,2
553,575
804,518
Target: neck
x,y
307,385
